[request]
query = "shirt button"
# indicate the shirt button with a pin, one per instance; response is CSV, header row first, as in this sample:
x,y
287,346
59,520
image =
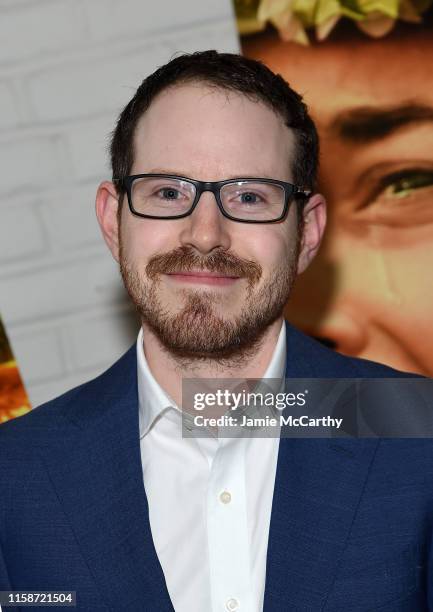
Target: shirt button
x,y
232,604
226,498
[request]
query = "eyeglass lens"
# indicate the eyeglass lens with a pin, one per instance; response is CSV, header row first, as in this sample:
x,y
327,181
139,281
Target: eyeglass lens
x,y
245,200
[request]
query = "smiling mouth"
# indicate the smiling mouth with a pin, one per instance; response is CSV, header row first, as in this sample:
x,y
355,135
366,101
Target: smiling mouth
x,y
203,277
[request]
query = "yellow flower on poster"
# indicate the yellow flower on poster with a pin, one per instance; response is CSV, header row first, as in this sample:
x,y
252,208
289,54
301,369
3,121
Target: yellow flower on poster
x,y
292,18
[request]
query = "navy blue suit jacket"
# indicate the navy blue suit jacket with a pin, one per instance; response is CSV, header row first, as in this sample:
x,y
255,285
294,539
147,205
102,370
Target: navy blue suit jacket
x,y
351,523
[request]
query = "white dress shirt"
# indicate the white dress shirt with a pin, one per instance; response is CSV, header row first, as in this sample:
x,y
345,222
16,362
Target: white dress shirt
x,y
209,499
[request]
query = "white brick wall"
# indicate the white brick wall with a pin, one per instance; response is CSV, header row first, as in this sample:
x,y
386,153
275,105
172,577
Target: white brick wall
x,y
37,28
67,67
29,163
9,114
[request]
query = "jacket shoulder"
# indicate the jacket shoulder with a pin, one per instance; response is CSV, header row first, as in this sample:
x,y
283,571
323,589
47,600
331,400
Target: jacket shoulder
x,y
319,361
89,397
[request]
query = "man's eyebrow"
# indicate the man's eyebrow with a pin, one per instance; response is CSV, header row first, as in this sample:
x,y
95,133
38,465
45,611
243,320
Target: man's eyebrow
x,y
165,171
229,177
366,123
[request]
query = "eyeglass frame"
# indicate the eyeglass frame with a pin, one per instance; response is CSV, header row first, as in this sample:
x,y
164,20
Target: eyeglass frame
x,y
290,190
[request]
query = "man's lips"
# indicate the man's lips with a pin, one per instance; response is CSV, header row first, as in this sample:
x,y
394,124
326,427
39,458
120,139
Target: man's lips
x,y
203,276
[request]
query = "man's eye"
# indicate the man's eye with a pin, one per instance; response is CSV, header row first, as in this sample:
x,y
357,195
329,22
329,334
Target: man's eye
x,y
405,184
168,193
248,197
402,198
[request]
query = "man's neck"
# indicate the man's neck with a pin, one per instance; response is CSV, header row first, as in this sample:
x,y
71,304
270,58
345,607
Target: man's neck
x,y
169,371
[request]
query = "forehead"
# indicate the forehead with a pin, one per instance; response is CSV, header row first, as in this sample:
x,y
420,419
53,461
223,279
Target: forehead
x,y
210,134
353,72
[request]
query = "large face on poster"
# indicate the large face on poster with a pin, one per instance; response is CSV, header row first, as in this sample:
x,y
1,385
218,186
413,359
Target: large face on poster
x,y
369,292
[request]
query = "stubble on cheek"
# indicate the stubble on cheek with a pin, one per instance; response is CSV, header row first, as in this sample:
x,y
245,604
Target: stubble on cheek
x,y
192,330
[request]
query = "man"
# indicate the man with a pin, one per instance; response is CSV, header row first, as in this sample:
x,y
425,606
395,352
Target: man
x,y
211,214
366,293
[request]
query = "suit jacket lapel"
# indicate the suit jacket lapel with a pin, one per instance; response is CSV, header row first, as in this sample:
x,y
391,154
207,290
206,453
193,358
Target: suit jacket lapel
x,y
318,486
95,467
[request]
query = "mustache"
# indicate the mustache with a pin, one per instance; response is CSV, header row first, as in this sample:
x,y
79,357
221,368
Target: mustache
x,y
185,259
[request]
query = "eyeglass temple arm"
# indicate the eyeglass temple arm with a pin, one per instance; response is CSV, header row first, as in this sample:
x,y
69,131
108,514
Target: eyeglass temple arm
x,y
301,193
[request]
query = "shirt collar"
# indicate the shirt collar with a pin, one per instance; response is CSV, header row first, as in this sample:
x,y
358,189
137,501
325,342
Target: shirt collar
x,y
153,400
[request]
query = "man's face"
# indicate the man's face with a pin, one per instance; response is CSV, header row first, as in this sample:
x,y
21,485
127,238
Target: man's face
x,y
369,291
206,134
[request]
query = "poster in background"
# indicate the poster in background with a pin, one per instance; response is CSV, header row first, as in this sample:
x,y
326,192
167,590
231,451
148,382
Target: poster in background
x,y
13,397
365,72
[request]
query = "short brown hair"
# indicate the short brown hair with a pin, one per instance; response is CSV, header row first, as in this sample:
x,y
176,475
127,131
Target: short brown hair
x,y
231,72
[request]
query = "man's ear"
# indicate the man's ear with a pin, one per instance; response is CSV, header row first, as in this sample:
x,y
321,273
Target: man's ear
x,y
314,225
107,203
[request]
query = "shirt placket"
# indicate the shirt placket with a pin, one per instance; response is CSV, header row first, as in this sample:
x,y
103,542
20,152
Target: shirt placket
x,y
227,530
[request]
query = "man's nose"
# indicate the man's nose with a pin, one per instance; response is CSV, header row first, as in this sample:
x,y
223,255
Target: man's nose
x,y
343,331
325,308
206,228
339,329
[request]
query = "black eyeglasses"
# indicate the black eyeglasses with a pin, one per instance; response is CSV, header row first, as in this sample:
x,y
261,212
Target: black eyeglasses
x,y
248,200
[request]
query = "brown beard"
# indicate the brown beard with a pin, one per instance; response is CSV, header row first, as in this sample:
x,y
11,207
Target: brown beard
x,y
197,332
